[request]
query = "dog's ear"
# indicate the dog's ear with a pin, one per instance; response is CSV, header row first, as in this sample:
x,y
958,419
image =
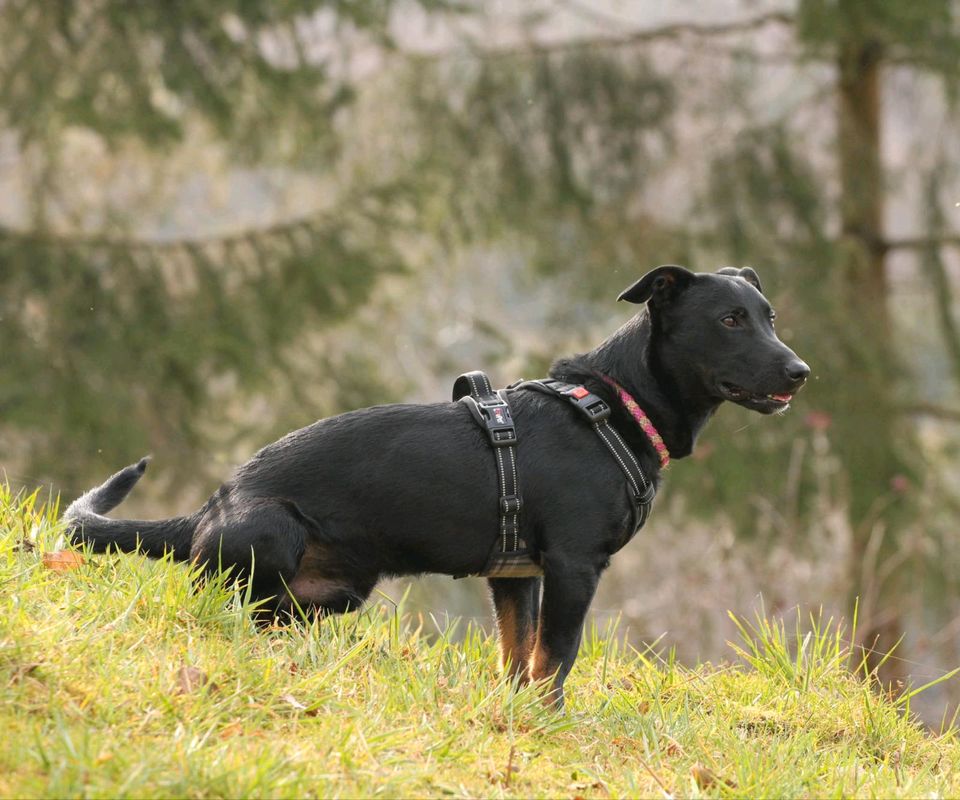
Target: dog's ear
x,y
659,285
746,273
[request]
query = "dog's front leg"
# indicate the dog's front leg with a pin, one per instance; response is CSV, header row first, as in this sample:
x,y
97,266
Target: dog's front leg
x,y
568,588
516,602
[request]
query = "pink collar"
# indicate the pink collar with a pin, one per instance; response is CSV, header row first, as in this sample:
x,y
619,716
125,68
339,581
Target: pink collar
x,y
642,420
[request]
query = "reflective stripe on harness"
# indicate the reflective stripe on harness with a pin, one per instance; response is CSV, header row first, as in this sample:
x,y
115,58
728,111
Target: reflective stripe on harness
x,y
491,411
514,558
597,412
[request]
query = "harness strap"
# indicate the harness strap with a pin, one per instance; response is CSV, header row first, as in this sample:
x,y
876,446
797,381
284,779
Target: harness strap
x,y
492,411
597,413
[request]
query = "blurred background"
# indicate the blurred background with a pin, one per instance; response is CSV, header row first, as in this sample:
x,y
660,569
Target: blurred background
x,y
221,220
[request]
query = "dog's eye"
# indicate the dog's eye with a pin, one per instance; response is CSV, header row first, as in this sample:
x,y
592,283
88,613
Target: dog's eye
x,y
773,316
730,321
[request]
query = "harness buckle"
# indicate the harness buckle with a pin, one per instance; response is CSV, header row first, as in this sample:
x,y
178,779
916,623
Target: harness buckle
x,y
510,504
596,409
495,402
499,422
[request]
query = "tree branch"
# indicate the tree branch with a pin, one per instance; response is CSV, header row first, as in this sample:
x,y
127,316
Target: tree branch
x,y
923,242
91,242
360,204
674,30
932,410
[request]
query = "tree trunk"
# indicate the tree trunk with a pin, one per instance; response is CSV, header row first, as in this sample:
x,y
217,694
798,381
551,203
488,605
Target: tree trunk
x,y
868,445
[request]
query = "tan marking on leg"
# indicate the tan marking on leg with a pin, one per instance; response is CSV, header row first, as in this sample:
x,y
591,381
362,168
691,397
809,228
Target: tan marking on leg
x,y
313,584
542,668
310,590
516,643
513,654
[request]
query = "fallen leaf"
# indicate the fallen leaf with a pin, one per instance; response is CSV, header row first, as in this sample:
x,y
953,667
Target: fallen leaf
x,y
233,729
706,778
673,747
62,560
189,679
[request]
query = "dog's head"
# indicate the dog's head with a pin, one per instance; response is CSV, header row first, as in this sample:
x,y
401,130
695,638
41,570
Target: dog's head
x,y
720,326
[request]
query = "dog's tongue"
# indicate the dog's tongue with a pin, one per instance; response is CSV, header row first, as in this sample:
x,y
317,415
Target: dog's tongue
x,y
782,398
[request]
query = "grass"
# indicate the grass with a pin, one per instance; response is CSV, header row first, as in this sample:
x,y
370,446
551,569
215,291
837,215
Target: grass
x,y
119,678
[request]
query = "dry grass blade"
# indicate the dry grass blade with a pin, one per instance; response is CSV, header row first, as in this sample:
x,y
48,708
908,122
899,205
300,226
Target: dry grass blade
x,y
22,671
292,701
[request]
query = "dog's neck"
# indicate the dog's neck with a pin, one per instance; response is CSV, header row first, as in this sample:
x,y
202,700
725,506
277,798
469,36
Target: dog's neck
x,y
674,400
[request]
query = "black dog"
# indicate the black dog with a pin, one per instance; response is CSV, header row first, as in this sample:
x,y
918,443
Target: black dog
x,y
321,515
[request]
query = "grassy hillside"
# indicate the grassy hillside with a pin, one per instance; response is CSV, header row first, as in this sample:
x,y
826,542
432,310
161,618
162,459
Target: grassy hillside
x,y
117,678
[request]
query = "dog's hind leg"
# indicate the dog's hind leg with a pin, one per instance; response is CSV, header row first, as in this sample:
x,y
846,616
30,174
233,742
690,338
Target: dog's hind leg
x,y
516,602
331,579
261,544
325,596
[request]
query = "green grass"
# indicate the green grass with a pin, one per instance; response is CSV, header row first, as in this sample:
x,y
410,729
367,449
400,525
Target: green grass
x,y
118,678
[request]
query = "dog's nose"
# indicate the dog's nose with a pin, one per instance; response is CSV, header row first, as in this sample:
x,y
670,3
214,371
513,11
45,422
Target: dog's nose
x,y
797,371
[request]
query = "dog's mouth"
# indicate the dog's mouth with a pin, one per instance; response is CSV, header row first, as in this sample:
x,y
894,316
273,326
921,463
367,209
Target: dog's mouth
x,y
777,401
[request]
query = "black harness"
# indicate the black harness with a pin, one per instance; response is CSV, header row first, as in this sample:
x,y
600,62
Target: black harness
x,y
514,557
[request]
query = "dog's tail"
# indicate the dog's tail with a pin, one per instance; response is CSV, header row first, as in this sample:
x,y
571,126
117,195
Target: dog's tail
x,y
152,537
